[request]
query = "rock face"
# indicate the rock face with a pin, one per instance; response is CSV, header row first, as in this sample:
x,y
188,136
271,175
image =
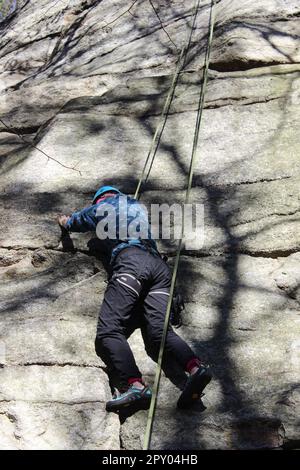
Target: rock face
x,y
85,81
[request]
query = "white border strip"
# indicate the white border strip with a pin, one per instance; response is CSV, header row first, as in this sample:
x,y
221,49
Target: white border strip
x,y
130,275
127,285
158,292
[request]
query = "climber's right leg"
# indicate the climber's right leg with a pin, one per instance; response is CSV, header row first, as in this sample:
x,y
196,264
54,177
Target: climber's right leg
x,y
115,318
111,343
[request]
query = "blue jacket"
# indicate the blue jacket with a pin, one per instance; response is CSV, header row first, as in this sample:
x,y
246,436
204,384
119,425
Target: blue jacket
x,y
87,220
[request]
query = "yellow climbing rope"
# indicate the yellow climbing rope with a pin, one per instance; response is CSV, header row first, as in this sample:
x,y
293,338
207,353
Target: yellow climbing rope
x,y
163,117
160,127
151,415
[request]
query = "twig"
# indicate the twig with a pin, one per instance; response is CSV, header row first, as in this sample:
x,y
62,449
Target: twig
x,y
51,6
122,14
12,130
164,29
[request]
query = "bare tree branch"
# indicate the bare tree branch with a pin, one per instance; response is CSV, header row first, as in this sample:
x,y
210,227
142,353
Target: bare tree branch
x,y
164,29
122,14
13,131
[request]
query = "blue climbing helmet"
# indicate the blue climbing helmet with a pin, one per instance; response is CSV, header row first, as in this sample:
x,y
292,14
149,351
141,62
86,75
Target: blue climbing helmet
x,y
103,190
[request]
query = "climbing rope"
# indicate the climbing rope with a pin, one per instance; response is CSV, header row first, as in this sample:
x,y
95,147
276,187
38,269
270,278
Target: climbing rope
x,y
160,126
151,415
165,112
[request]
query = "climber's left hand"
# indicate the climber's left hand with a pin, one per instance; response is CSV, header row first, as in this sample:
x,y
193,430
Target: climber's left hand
x,y
62,220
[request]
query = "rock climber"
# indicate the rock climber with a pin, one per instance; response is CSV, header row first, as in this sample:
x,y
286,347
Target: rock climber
x,y
138,287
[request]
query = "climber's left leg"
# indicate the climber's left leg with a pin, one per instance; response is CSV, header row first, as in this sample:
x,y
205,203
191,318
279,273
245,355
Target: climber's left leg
x,y
155,306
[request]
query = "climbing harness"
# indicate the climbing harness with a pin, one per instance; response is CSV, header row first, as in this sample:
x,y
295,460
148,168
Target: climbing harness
x,y
153,149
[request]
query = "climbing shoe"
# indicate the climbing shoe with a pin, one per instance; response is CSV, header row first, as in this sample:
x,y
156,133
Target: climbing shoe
x,y
133,396
194,387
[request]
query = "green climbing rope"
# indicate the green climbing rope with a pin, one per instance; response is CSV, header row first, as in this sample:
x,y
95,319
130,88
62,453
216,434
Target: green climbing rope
x,y
163,117
160,126
151,415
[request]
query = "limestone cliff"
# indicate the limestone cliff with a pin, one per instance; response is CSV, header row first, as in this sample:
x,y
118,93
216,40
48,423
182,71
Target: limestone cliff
x,y
85,81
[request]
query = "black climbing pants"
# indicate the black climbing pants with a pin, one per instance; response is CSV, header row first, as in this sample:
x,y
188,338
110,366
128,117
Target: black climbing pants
x,y
136,297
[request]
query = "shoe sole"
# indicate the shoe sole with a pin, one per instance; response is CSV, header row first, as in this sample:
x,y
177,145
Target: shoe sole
x,y
140,404
193,391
